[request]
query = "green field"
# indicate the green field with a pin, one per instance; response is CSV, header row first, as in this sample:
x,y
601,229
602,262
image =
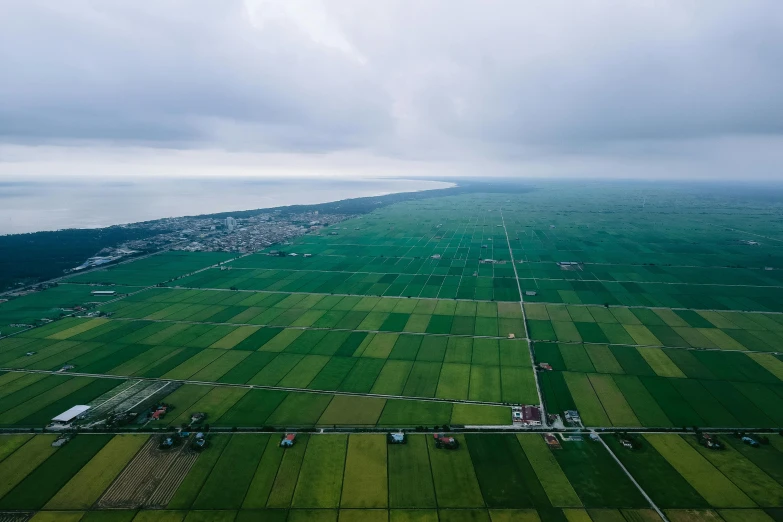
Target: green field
x,y
492,475
330,472
410,316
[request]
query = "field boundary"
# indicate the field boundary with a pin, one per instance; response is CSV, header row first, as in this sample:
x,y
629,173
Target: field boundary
x,y
544,419
319,328
254,387
635,483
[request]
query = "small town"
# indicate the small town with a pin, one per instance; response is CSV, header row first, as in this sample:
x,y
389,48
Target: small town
x,y
209,234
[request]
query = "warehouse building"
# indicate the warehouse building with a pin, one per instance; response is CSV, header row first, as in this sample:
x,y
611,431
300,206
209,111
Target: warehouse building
x,y
70,415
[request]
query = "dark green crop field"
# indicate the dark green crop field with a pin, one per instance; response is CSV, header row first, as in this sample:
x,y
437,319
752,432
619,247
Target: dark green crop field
x,y
491,477
646,307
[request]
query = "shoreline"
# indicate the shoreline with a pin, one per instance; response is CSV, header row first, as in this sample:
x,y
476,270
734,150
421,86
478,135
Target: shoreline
x,y
296,192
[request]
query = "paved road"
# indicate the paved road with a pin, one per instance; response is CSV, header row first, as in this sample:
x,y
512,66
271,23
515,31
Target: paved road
x,y
542,404
638,486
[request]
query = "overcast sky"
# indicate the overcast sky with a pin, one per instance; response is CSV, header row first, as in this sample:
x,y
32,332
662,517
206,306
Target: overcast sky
x,y
588,88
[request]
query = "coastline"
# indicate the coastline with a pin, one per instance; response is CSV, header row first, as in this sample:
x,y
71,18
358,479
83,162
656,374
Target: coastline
x,y
55,205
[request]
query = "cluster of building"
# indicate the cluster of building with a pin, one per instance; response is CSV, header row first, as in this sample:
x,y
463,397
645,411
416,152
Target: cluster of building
x,y
212,234
105,256
526,415
257,232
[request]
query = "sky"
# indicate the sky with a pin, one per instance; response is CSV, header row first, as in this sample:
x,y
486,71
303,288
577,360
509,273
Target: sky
x,y
659,89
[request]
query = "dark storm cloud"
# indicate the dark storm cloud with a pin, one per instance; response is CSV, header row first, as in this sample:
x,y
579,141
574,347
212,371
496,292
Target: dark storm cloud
x,y
503,81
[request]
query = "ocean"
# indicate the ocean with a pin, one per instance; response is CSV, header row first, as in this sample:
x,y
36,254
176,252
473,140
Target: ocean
x,y
32,206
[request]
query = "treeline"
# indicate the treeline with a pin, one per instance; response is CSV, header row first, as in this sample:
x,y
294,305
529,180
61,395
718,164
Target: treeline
x,y
38,256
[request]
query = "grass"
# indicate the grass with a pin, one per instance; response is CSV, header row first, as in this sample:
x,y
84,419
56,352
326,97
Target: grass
x,y
321,476
265,474
228,482
613,401
398,412
109,516
744,515
304,372
548,471
57,516
312,515
646,409
299,409
352,411
693,515
504,473
422,380
759,486
769,362
365,482
214,403
83,490
391,380
194,364
215,370
588,404
575,358
43,482
655,474
20,404
410,478
456,485
15,467
609,382
603,360
479,414
287,474
660,363
454,381
189,488
276,369
77,329
590,468
710,483
485,384
11,443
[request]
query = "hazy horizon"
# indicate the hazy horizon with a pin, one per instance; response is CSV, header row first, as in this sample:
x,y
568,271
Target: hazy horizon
x,y
675,90
56,205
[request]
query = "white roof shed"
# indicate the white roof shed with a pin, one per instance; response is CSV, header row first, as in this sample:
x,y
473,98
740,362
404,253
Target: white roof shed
x,y
71,414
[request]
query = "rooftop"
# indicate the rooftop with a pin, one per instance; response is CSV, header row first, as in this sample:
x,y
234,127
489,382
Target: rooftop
x,y
71,413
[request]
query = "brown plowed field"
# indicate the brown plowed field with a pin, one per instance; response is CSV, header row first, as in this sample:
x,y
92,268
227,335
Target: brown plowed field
x,y
151,478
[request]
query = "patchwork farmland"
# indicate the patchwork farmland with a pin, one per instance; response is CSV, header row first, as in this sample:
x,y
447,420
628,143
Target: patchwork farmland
x,y
640,335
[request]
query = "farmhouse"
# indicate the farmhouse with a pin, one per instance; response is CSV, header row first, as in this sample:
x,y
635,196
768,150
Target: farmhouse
x,y
552,441
570,265
70,415
572,417
526,415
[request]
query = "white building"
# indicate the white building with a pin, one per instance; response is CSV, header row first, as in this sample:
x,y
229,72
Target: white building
x,y
231,224
70,415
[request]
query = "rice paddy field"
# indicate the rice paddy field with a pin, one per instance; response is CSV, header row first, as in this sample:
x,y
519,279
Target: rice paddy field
x,y
656,308
50,305
359,477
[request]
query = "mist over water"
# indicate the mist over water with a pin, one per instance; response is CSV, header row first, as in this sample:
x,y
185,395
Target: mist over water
x,y
32,206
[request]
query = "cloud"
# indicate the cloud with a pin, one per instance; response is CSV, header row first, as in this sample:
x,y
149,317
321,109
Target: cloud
x,y
607,87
